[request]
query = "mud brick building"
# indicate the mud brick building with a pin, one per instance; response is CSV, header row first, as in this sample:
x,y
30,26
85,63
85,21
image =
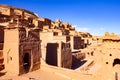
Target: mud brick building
x,y
26,39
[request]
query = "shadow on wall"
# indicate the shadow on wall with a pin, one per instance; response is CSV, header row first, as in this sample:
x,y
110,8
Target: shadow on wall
x,y
51,54
77,63
2,73
116,61
27,62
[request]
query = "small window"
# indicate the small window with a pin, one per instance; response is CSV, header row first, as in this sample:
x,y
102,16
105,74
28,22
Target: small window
x,y
55,33
106,62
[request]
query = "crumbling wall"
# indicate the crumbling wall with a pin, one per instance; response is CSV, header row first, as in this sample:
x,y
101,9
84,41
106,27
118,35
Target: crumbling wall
x,y
77,42
29,45
14,15
66,55
23,52
43,22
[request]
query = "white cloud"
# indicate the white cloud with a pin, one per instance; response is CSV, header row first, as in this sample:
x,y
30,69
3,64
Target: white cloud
x,y
81,29
93,31
98,31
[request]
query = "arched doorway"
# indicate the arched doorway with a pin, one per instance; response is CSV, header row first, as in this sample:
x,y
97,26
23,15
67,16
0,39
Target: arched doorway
x,y
26,62
116,61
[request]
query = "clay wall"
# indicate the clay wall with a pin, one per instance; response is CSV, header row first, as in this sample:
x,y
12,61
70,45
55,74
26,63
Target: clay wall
x,y
76,42
61,38
59,54
5,10
23,51
11,55
46,37
43,22
29,45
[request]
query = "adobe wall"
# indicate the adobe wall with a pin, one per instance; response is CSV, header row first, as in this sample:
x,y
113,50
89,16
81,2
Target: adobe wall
x,y
44,22
59,54
45,38
48,47
66,55
61,38
76,43
16,12
24,48
16,48
31,45
11,16
11,50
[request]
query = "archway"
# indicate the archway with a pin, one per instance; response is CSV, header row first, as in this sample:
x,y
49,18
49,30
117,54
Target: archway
x,y
26,62
116,61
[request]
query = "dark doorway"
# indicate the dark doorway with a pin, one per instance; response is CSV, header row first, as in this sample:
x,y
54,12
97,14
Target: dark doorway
x,y
26,62
51,54
1,39
116,61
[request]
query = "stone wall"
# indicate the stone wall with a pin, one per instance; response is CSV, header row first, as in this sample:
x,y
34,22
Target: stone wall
x,y
45,37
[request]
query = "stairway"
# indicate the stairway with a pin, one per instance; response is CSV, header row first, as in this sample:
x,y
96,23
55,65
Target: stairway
x,y
1,60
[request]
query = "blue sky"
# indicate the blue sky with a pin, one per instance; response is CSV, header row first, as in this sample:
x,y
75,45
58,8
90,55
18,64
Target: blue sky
x,y
94,16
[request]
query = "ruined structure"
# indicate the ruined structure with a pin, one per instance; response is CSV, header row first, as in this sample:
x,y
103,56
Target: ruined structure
x,y
111,37
29,43
55,45
26,39
20,40
58,32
